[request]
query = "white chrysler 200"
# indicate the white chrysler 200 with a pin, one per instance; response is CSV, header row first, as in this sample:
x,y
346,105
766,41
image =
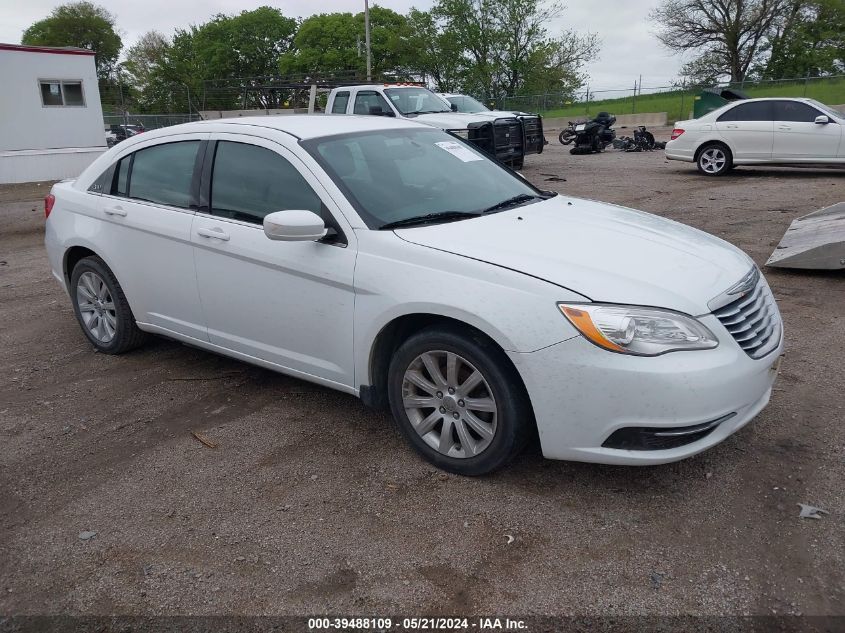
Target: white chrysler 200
x,y
390,260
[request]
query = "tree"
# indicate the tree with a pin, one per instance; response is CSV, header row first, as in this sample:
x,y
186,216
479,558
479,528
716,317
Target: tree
x,y
80,24
438,55
153,89
333,43
808,41
504,46
728,35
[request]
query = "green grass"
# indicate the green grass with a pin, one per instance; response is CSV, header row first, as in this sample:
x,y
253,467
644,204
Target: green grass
x,y
678,104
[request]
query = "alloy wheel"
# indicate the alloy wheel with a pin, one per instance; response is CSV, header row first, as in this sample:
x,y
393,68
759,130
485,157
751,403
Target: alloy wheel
x,y
96,306
450,404
713,160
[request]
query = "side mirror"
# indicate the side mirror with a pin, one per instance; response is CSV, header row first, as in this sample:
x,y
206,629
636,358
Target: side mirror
x,y
379,111
453,107
822,119
294,226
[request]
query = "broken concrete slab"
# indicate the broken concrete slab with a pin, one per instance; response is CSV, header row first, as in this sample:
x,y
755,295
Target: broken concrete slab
x,y
815,241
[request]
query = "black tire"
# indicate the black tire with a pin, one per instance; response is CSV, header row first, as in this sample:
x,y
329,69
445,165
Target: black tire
x,y
518,164
714,159
126,335
514,417
566,137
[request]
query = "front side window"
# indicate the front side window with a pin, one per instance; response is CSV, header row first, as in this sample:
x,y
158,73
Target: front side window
x,y
248,182
795,111
341,99
411,101
467,104
395,175
163,173
61,93
370,99
756,111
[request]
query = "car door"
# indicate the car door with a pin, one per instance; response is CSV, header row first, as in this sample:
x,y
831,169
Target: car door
x,y
288,303
799,137
748,129
147,207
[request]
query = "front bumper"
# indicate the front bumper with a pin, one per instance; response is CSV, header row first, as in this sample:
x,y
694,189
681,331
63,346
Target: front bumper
x,y
582,394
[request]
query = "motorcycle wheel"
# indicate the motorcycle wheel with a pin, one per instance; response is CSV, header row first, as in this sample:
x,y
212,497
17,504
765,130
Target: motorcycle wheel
x,y
566,137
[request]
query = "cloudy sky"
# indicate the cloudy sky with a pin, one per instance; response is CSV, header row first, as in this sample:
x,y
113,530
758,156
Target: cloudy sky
x,y
628,47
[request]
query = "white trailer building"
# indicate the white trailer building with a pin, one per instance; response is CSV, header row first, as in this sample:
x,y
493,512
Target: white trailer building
x,y
51,120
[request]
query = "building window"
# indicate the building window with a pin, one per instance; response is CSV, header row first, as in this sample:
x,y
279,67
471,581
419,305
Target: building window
x,y
62,93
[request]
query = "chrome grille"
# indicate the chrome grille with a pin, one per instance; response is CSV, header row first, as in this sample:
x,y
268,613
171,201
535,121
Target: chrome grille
x,y
752,318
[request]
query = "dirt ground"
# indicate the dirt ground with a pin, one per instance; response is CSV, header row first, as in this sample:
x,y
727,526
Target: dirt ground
x,y
311,503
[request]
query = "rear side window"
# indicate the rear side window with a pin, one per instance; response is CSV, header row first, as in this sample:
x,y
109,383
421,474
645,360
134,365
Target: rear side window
x,y
369,99
162,174
248,182
121,177
756,111
795,111
341,99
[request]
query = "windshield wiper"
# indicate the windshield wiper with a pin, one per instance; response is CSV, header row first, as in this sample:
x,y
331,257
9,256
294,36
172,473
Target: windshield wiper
x,y
512,202
429,218
426,112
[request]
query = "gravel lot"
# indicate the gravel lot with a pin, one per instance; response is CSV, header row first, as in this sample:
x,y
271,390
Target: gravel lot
x,y
312,504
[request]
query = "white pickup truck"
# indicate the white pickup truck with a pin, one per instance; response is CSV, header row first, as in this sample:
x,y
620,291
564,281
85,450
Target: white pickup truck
x,y
502,137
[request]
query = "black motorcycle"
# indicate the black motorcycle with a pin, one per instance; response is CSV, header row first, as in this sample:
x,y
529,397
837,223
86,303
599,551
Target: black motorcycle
x,y
567,135
594,135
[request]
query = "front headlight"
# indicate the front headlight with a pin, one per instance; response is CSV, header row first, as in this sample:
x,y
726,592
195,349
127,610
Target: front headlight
x,y
461,133
637,330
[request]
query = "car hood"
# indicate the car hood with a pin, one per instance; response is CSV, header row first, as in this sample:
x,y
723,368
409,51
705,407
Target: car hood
x,y
604,252
450,120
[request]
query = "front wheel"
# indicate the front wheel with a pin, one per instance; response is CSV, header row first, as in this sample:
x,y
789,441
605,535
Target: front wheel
x,y
566,137
458,401
714,160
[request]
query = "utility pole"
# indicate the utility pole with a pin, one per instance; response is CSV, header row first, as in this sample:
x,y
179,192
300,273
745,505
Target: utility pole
x,y
367,40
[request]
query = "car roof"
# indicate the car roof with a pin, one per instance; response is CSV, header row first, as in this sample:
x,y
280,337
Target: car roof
x,y
302,126
802,99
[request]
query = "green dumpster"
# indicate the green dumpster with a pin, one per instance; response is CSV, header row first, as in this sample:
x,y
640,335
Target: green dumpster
x,y
711,99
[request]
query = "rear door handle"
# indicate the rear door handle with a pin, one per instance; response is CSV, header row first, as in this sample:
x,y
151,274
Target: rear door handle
x,y
216,233
118,210
784,127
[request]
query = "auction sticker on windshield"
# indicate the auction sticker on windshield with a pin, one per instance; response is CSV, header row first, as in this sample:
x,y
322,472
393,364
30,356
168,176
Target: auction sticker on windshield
x,y
459,151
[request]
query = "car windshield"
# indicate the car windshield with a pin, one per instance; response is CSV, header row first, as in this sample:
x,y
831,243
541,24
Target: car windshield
x,y
402,175
827,109
415,101
467,104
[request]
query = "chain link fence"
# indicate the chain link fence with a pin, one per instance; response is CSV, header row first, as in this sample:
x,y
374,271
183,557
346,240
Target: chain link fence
x,y
676,100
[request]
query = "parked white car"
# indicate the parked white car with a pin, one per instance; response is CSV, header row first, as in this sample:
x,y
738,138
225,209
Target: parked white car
x,y
760,132
392,261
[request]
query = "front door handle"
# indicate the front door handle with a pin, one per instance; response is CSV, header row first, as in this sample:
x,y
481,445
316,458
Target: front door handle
x,y
118,210
215,233
784,127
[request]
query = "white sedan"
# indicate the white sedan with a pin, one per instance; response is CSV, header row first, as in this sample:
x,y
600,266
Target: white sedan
x,y
389,260
761,132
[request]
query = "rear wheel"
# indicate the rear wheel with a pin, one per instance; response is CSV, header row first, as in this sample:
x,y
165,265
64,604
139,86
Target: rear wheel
x,y
102,309
458,401
714,160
